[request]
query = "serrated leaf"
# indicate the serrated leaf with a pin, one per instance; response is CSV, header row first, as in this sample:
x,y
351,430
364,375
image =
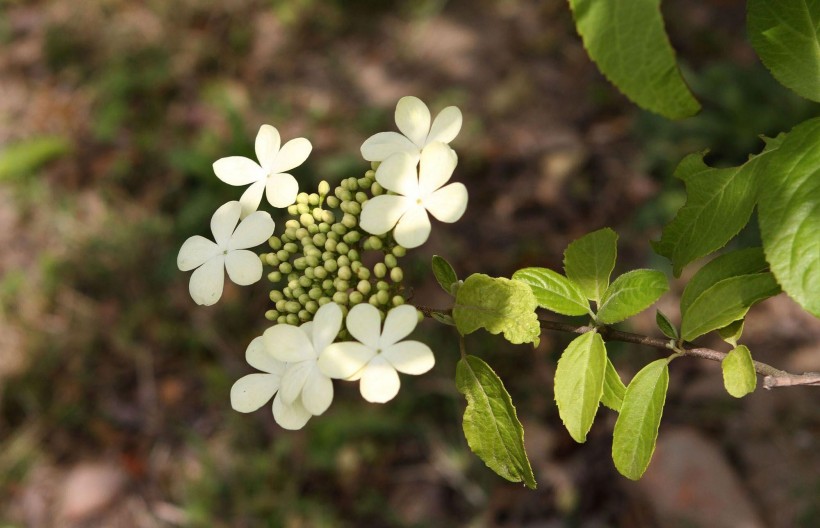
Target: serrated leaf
x,y
725,302
589,261
614,388
630,294
444,273
579,383
666,326
628,43
497,305
490,424
739,375
636,431
553,291
732,332
789,214
740,262
786,36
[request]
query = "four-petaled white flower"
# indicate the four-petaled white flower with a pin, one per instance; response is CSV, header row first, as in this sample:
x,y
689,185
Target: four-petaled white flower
x,y
229,252
413,119
270,175
416,194
379,354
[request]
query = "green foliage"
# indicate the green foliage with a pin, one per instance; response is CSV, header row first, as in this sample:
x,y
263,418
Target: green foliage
x,y
627,40
614,388
666,326
444,273
732,332
589,261
786,36
491,425
579,383
636,430
739,375
553,291
24,158
631,293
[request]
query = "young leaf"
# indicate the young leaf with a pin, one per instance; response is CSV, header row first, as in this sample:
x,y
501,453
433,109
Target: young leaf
x,y
579,383
628,42
732,332
497,305
631,293
789,214
614,388
739,375
553,291
786,35
725,302
636,430
444,273
490,423
589,262
666,326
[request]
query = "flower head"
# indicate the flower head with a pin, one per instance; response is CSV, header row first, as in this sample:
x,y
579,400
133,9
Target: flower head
x,y
416,194
229,252
413,119
269,176
380,353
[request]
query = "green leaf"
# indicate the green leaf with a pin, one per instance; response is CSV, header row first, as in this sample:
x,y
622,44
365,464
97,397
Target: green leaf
x,y
789,214
589,262
740,262
579,383
497,305
636,430
725,302
739,375
666,326
631,293
732,332
628,42
553,291
22,159
443,318
444,273
786,35
490,424
614,388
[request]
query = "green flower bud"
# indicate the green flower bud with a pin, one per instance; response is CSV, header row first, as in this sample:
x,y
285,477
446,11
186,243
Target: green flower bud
x,y
338,191
383,297
291,248
304,316
353,255
399,251
293,283
342,248
375,242
309,272
288,293
324,227
355,265
332,202
398,300
376,189
361,197
345,273
289,234
346,196
282,319
390,261
315,293
372,172
282,255
312,260
313,229
306,219
327,285
364,286
302,198
303,299
363,273
274,276
331,266
317,213
300,263
323,301
281,305
302,209
354,208
320,272
292,223
293,210
340,297
285,267
374,300
343,261
349,221
305,282
339,228
380,270
355,298
293,319
352,184
352,237
271,315
396,274
330,245
312,306
293,307
328,217
298,291
293,276
301,233
271,259
324,188
276,295
341,285
319,239
313,199
275,243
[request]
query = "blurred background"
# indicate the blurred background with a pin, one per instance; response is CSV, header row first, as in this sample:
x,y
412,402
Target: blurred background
x,y
114,407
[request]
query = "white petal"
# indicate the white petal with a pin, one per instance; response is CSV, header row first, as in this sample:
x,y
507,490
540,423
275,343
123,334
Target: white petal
x,y
288,343
252,197
326,325
207,281
448,203
437,164
318,392
413,119
267,145
413,228
380,214
343,360
281,190
290,416
237,170
253,391
294,378
195,251
380,382
223,222
260,358
398,324
365,324
446,125
379,146
410,357
356,376
244,267
398,174
255,229
292,154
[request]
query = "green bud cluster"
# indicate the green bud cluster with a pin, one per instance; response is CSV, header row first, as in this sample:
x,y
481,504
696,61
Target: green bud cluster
x,y
320,257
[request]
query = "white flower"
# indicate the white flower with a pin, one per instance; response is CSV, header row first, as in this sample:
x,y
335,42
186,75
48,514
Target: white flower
x,y
269,175
413,119
228,253
379,354
416,195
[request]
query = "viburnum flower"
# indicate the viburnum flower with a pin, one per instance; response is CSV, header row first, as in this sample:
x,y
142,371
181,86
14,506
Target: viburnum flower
x,y
229,252
413,119
380,353
269,176
416,194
